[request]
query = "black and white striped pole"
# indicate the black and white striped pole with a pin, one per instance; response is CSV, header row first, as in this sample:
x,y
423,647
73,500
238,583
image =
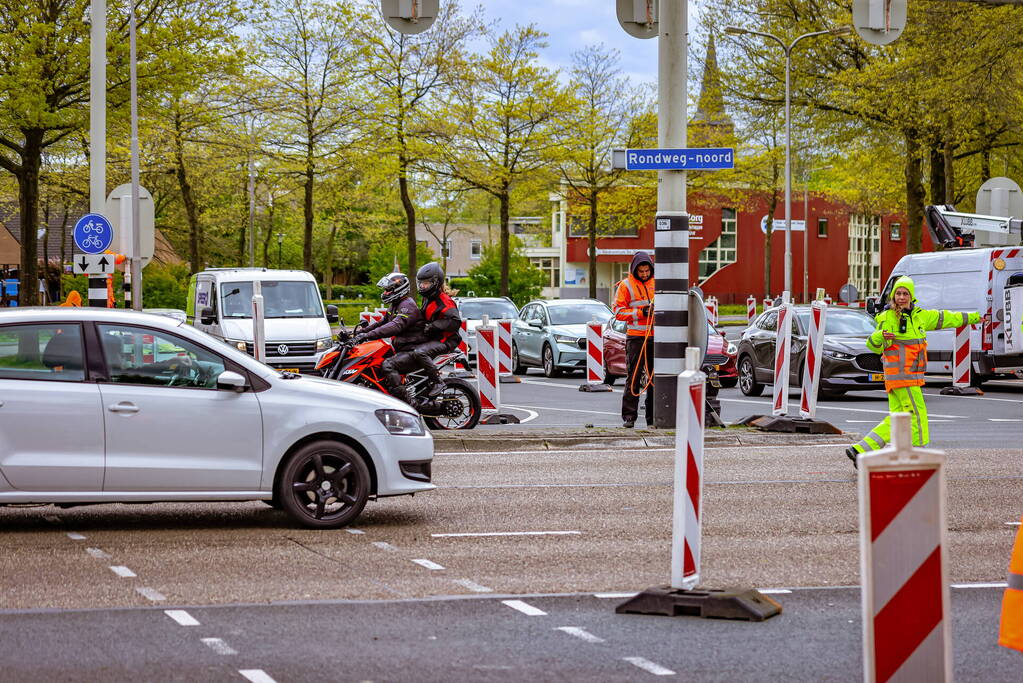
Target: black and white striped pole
x,y
98,290
671,311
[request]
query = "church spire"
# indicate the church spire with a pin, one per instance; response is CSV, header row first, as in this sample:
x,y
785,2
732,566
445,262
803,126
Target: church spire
x,y
710,108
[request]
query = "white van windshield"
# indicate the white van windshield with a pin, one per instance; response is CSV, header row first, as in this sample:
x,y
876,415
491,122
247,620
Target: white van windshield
x,y
281,299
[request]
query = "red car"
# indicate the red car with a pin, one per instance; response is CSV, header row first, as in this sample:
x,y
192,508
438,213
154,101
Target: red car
x,y
720,354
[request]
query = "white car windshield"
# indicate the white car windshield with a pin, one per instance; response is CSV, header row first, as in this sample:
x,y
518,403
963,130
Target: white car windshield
x,y
495,310
578,314
281,299
842,323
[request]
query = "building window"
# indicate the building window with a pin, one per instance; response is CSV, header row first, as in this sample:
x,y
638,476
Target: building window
x,y
720,252
476,249
551,266
822,227
865,253
895,231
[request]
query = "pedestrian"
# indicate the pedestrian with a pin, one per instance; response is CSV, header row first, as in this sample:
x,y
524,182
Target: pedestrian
x,y
634,303
901,338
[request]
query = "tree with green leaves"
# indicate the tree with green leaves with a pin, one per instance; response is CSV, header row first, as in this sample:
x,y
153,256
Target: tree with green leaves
x,y
524,282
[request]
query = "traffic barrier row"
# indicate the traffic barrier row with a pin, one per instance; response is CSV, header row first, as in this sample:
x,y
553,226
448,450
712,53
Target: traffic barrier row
x,y
488,375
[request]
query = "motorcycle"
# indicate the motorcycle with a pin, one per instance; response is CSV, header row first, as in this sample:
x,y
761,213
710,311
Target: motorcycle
x,y
457,407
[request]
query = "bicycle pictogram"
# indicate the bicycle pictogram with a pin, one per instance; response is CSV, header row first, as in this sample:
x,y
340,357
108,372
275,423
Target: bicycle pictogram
x,y
92,242
92,227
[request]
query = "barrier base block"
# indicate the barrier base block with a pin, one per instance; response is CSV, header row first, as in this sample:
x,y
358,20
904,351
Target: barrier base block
x,y
509,379
594,387
745,604
499,419
961,391
793,425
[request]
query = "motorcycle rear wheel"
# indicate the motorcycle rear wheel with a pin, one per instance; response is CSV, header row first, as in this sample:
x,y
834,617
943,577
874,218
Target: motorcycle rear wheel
x,y
469,403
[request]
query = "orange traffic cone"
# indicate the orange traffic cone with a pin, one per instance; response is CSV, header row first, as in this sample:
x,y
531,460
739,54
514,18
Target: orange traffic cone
x,y
1011,634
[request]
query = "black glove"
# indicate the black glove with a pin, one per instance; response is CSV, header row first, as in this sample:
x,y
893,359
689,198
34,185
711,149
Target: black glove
x,y
358,338
645,310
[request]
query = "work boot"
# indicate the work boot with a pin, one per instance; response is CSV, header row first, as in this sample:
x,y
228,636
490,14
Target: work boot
x,y
629,424
851,453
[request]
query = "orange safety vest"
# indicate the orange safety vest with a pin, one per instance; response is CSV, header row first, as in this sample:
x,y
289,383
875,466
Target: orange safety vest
x,y
905,362
1011,633
631,297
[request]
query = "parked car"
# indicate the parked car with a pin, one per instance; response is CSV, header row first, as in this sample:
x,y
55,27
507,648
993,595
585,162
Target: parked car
x,y
175,313
551,335
107,406
847,364
472,309
720,354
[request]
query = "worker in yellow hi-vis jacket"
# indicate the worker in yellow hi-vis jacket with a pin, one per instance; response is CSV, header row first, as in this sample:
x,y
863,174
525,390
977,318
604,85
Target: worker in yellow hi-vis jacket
x,y
901,337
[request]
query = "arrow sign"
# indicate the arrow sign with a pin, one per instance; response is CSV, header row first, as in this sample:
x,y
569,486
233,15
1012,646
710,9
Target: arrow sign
x,y
92,264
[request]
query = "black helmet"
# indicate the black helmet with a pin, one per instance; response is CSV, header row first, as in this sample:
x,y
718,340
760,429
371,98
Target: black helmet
x,y
430,279
394,286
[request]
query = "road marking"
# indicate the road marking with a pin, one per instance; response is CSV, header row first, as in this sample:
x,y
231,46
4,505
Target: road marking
x,y
256,676
509,533
972,398
351,531
648,666
1005,419
1012,523
580,633
98,554
1003,584
531,413
151,594
182,617
473,586
123,572
428,564
774,591
655,449
767,404
219,646
75,536
573,410
614,595
551,384
525,608
384,545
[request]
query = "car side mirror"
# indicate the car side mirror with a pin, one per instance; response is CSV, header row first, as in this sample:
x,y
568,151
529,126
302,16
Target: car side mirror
x,y
332,316
874,305
535,323
207,316
229,379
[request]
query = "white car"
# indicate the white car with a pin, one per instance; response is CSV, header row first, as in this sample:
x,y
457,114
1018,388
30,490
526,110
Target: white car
x,y
104,406
472,310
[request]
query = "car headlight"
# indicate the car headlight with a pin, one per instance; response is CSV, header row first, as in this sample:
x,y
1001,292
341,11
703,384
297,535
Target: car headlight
x,y
565,339
240,345
323,343
732,349
840,355
400,422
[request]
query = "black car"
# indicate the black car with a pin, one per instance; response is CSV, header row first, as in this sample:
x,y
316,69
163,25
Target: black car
x,y
847,363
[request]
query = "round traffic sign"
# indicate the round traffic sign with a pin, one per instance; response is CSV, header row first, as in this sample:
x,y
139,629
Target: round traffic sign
x,y
93,233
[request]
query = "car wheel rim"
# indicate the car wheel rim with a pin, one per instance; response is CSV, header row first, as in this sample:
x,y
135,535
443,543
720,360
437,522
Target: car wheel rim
x,y
745,375
323,486
548,360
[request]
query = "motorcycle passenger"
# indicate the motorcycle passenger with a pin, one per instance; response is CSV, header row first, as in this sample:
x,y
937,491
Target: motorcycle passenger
x,y
403,322
443,323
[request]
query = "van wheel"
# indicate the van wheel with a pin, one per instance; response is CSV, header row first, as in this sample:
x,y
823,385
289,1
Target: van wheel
x,y
324,485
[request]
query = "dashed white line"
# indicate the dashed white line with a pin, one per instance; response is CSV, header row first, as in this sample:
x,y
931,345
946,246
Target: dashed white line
x,y
98,554
256,676
123,571
774,591
996,584
1012,523
219,646
648,666
525,608
473,586
428,564
182,617
508,533
1005,419
614,596
384,545
75,536
351,531
580,633
151,594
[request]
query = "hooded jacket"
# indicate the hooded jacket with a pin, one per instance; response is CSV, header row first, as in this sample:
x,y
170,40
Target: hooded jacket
x,y
634,296
905,358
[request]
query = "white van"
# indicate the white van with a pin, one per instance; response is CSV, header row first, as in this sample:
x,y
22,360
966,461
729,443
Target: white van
x,y
988,280
297,327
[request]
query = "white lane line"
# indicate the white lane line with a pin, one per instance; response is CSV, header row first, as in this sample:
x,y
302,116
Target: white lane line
x,y
656,449
614,596
182,617
384,545
1012,523
580,633
1003,584
98,554
75,536
256,676
351,531
219,646
473,586
123,571
551,384
648,666
573,410
525,608
1005,419
428,564
767,405
508,533
774,591
151,594
52,519
531,413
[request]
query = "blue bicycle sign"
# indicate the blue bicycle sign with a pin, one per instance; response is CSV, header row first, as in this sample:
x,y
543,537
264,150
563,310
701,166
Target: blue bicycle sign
x,y
93,233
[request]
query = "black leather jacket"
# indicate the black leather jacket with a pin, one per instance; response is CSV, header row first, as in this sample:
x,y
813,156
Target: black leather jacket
x,y
403,322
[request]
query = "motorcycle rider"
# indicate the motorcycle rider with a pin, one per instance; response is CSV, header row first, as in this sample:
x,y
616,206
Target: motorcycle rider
x,y
440,313
403,322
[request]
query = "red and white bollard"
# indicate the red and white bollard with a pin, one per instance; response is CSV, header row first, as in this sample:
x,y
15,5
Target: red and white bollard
x,y
904,561
751,309
711,304
767,304
463,338
962,362
504,347
828,300
687,519
378,315
595,358
486,368
813,359
365,315
782,355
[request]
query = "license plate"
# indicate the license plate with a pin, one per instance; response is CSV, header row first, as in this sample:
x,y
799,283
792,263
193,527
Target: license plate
x,y
877,377
295,370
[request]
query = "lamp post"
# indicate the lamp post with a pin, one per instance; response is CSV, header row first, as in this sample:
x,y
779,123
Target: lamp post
x,y
806,229
840,31
280,242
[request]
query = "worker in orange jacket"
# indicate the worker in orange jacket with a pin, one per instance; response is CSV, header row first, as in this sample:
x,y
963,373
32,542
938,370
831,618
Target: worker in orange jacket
x,y
634,303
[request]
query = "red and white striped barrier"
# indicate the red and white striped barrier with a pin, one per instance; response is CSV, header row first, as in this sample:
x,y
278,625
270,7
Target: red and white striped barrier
x,y
813,359
504,347
782,353
595,358
463,338
767,304
991,327
711,304
366,315
486,368
962,357
687,518
751,309
378,315
828,300
904,561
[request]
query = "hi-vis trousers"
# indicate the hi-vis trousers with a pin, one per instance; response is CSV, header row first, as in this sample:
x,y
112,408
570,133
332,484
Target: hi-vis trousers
x,y
902,400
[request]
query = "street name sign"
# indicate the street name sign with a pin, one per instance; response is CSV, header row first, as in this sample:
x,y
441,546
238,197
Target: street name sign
x,y
93,233
93,264
683,159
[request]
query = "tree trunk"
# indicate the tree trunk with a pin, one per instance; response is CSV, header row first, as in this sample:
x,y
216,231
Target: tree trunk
x,y
950,194
505,200
188,199
243,233
985,164
591,233
914,193
410,215
938,181
63,247
329,267
268,235
28,205
310,176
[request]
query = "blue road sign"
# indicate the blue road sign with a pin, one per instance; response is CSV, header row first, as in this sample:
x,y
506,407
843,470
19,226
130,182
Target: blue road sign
x,y
710,159
93,233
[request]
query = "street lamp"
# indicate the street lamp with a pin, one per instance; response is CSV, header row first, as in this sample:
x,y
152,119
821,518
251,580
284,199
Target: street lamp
x,y
280,242
840,31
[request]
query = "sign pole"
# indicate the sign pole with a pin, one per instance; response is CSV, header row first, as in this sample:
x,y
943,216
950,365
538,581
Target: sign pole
x,y
97,106
134,257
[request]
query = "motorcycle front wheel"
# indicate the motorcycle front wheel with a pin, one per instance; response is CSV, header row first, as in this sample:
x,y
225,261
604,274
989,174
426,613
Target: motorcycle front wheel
x,y
459,406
